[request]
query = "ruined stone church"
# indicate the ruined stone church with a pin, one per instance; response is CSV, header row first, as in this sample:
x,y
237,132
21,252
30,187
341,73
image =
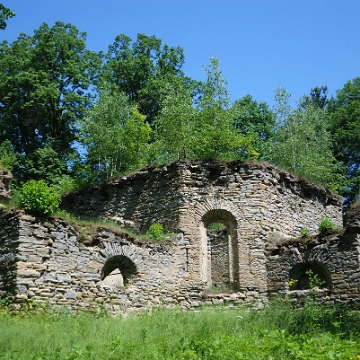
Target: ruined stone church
x,y
253,253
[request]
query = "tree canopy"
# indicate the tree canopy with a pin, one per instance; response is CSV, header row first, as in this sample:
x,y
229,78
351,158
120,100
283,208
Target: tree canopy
x,y
115,136
143,69
344,111
204,128
135,105
44,80
5,14
302,142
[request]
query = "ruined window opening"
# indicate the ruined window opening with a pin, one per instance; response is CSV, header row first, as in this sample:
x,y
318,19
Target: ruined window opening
x,y
118,271
299,278
220,251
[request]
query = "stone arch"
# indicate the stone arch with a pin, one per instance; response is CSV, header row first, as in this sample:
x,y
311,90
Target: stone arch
x,y
111,249
118,270
220,255
299,279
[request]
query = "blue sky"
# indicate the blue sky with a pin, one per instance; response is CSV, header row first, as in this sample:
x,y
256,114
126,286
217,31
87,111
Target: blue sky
x,y
262,44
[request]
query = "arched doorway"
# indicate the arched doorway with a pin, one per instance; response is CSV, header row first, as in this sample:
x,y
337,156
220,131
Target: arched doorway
x,y
220,250
303,276
118,271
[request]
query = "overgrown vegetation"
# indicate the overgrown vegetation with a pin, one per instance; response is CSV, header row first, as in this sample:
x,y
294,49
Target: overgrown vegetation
x,y
38,198
216,226
325,225
88,230
305,232
143,109
156,232
277,332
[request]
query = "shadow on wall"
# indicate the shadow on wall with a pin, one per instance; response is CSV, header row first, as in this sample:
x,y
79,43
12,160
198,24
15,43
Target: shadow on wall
x,y
118,271
304,276
220,249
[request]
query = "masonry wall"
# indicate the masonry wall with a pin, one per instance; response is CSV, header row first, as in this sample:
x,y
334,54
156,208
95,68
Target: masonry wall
x,y
5,179
334,257
250,199
44,260
257,194
48,265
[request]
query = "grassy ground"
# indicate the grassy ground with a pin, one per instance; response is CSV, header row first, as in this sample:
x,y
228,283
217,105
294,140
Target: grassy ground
x,y
277,332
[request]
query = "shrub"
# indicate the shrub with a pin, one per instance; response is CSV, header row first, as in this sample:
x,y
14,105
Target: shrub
x,y
305,232
38,198
216,226
325,224
156,232
314,279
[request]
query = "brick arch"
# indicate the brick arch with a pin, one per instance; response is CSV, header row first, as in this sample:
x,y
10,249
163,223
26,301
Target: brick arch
x,y
300,262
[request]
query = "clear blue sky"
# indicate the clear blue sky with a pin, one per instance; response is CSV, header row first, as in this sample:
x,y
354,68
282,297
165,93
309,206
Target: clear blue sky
x,y
297,44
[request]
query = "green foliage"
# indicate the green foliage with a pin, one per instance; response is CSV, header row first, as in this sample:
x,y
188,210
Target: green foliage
x,y
203,128
344,110
5,14
43,83
325,225
143,69
175,124
302,143
318,97
305,232
215,131
38,198
314,279
115,136
7,157
254,120
216,226
156,232
44,164
277,332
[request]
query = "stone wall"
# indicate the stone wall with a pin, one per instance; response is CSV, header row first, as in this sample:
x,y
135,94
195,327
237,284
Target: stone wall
x,y
252,192
250,199
5,179
43,260
334,257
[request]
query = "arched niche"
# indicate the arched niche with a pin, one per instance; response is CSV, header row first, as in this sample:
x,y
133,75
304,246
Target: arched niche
x,y
299,276
220,257
118,271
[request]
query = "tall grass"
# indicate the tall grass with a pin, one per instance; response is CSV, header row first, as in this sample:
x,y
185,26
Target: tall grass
x,y
277,332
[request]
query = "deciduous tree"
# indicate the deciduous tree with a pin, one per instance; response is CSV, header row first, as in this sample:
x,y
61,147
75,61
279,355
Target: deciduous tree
x,y
344,111
44,80
143,70
175,125
115,136
216,133
254,119
5,14
302,142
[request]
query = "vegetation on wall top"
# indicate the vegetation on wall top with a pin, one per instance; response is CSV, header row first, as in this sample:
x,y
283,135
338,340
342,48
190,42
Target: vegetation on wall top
x,y
73,117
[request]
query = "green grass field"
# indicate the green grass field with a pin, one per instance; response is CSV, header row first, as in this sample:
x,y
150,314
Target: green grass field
x,y
277,332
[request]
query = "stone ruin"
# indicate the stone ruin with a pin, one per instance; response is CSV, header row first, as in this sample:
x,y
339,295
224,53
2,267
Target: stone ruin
x,y
5,178
253,254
